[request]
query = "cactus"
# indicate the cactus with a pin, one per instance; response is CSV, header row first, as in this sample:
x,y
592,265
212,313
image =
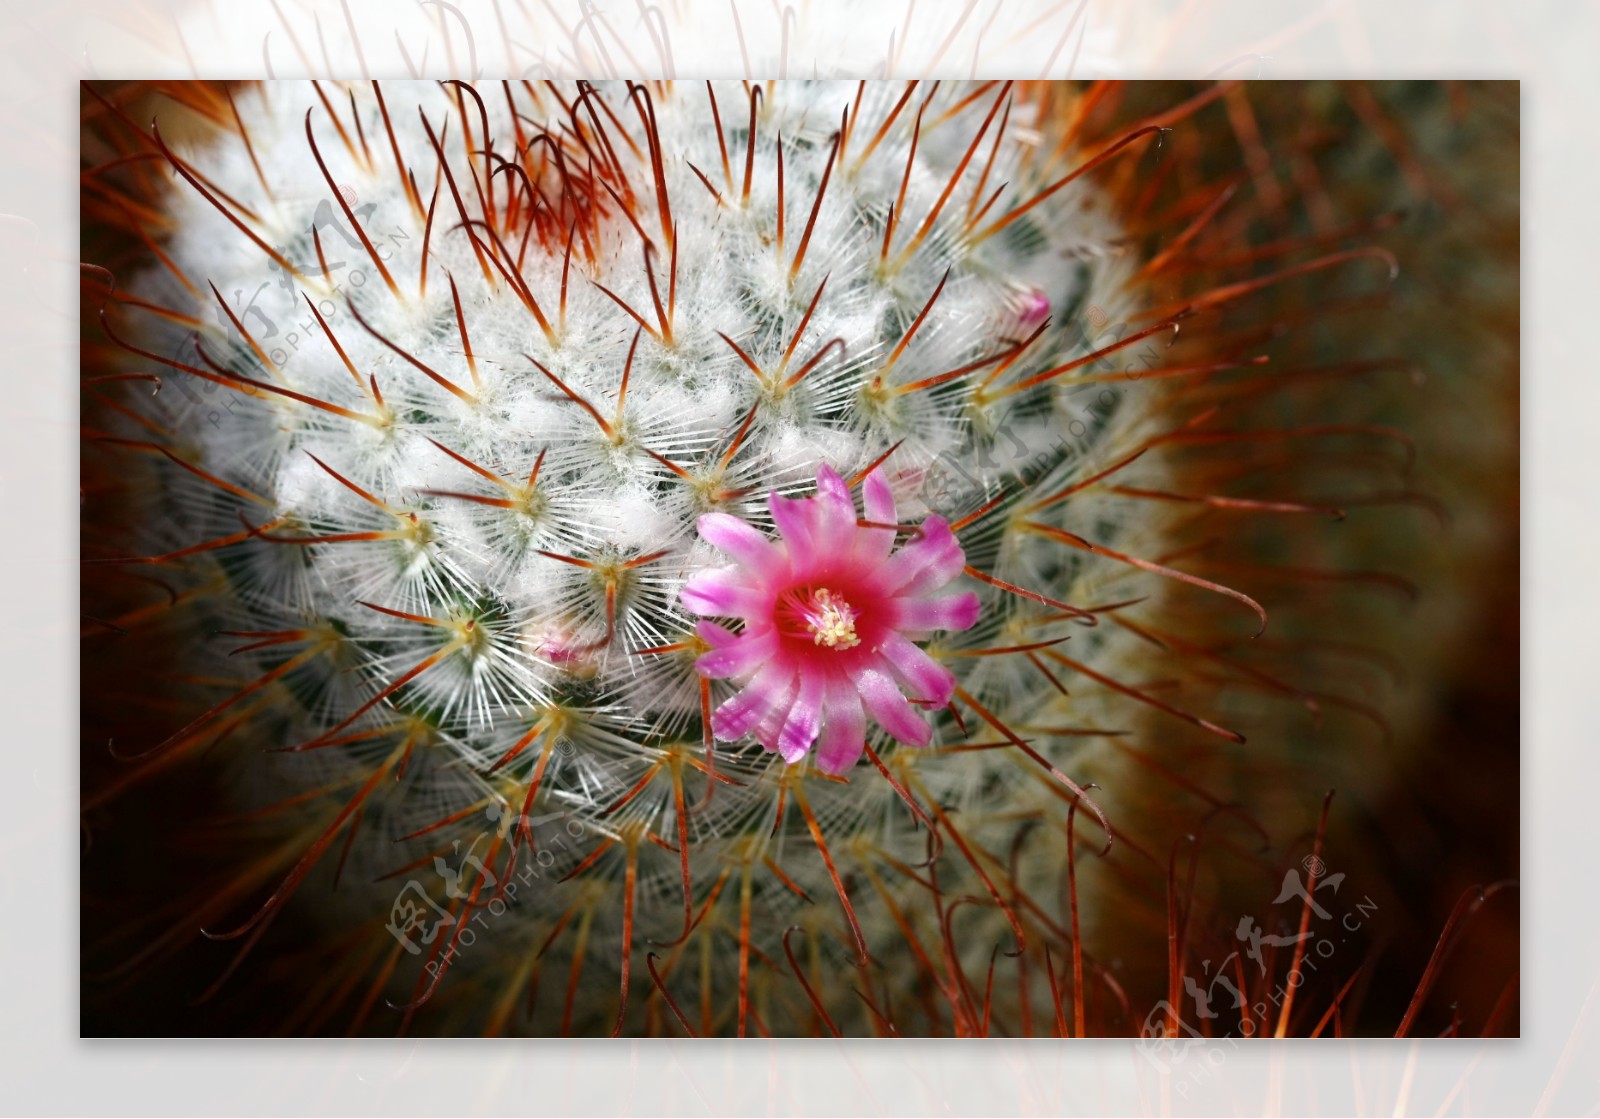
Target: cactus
x,y
510,443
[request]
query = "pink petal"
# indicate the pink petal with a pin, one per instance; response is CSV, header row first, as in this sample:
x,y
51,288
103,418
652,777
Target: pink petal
x,y
747,653
768,690
715,635
743,543
926,680
877,498
844,727
926,562
832,515
804,719
924,615
817,530
873,544
891,710
770,726
833,493
789,514
725,592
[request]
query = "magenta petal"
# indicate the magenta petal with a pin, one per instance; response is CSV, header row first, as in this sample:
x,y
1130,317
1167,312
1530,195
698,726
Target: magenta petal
x,y
891,710
924,615
929,560
729,534
805,718
873,544
926,679
725,592
877,499
770,727
718,637
768,690
832,516
748,653
789,515
833,494
844,727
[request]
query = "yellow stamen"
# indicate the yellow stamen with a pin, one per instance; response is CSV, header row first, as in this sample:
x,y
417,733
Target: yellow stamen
x,y
831,620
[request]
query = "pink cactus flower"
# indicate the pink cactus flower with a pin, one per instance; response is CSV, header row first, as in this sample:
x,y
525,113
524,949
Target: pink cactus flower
x,y
831,613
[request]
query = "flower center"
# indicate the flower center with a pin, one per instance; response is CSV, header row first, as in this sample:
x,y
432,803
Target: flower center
x,y
824,614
